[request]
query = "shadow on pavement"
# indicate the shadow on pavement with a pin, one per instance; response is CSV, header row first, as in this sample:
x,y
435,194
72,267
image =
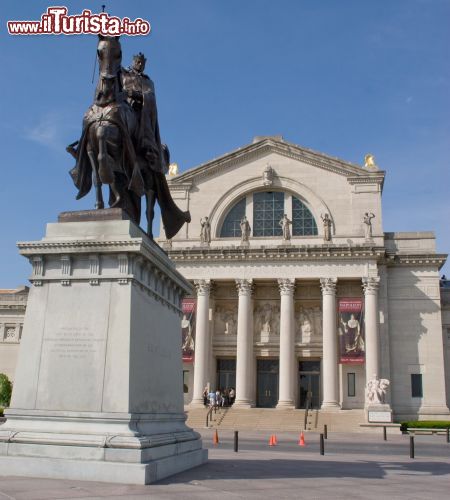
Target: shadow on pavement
x,y
282,468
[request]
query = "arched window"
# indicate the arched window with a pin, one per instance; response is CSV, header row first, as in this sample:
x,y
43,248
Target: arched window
x,y
231,225
303,223
268,210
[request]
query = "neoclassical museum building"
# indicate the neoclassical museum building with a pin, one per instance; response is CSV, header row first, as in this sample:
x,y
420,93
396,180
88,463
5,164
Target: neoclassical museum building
x,y
307,299
300,298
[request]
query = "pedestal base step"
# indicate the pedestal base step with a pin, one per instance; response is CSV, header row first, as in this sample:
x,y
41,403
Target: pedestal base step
x,y
92,470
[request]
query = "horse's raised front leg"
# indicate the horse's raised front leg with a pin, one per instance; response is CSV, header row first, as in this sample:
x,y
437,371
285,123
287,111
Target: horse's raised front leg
x,y
99,203
150,198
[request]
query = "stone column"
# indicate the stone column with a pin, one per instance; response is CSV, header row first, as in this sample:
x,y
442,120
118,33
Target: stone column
x,y
244,347
286,395
330,345
203,288
370,286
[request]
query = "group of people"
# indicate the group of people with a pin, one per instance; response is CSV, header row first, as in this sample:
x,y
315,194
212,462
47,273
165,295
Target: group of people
x,y
219,398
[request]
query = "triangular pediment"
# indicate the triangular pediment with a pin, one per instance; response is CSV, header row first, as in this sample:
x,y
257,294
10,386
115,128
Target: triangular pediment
x,y
263,146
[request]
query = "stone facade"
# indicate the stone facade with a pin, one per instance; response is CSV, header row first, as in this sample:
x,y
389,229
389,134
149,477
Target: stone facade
x,y
271,303
12,312
267,307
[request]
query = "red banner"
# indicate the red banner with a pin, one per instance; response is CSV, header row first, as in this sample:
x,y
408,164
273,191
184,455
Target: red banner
x,y
189,307
351,331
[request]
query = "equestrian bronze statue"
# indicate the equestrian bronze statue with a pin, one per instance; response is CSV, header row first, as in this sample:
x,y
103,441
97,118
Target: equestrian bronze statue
x,y
120,143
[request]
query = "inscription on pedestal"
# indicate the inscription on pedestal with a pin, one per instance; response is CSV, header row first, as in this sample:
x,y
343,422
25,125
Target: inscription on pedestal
x,y
380,416
71,371
71,342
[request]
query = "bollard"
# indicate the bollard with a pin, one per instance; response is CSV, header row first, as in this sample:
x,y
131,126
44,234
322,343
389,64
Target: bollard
x,y
325,431
384,433
236,441
448,434
322,445
411,446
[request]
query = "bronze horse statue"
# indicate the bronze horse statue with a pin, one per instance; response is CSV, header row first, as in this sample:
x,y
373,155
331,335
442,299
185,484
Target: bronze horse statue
x,y
109,152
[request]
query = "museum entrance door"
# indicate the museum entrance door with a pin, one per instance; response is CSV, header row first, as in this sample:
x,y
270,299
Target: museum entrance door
x,y
226,373
309,384
267,376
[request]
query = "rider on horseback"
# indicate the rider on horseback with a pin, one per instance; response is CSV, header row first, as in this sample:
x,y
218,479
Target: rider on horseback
x,y
153,155
120,144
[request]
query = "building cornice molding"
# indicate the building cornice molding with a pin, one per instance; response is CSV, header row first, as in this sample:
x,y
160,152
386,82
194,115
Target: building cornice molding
x,y
322,253
12,307
289,150
280,253
136,248
428,259
182,187
374,178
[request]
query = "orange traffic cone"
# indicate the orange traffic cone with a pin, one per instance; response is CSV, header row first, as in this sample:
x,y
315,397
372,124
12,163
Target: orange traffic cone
x,y
301,441
271,443
215,438
275,441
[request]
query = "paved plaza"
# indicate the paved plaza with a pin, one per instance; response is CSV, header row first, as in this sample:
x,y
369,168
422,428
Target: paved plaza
x,y
354,466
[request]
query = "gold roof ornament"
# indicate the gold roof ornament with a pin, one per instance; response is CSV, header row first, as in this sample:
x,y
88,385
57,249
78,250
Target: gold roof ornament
x,y
369,161
173,169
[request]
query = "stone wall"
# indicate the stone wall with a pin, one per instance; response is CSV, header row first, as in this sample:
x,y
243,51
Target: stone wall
x,y
12,312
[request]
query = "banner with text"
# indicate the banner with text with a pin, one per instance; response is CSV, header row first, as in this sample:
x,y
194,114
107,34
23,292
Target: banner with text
x,y
189,307
351,331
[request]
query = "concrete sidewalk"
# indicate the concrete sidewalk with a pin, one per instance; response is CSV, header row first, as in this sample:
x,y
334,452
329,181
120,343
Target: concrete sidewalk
x,y
354,466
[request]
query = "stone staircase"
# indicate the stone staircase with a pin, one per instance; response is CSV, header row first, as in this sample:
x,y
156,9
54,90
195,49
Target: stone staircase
x,y
279,420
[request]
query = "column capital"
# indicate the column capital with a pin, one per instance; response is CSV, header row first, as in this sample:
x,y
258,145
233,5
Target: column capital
x,y
371,285
244,287
203,287
286,286
328,286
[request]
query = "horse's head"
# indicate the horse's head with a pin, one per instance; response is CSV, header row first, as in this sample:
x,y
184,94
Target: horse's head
x,y
109,54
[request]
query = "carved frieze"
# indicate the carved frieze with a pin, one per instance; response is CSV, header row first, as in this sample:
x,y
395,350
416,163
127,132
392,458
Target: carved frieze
x,y
266,320
308,323
38,265
66,265
225,319
94,264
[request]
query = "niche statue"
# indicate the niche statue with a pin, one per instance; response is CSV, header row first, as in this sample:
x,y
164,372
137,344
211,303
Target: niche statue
x,y
120,144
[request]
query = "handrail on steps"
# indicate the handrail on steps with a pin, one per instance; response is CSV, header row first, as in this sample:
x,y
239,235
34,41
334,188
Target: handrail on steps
x,y
209,414
308,401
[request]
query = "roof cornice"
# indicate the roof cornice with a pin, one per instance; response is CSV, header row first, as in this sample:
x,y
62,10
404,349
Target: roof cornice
x,y
427,259
270,145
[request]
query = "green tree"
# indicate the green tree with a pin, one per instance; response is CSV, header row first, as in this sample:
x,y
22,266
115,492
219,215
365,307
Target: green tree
x,y
5,390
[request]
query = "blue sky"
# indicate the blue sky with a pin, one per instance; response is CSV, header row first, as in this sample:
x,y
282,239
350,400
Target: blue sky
x,y
342,77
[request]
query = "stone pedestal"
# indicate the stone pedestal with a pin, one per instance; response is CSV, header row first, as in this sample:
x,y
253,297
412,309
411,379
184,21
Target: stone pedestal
x,y
98,388
378,413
